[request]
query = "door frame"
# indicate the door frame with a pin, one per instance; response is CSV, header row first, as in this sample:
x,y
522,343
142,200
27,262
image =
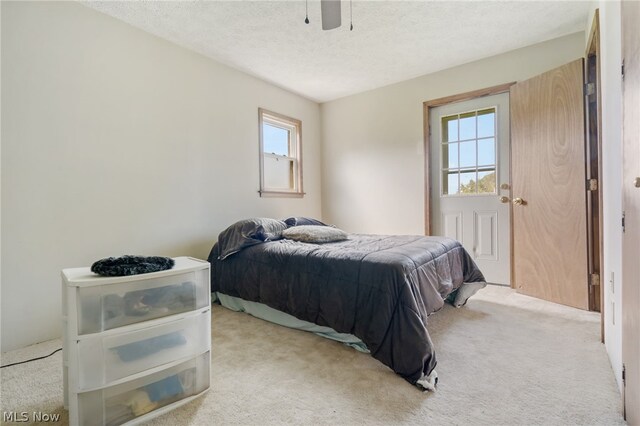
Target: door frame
x,y
593,107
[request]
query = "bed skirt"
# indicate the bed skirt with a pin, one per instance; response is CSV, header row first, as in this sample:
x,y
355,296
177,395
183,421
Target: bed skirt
x,y
262,311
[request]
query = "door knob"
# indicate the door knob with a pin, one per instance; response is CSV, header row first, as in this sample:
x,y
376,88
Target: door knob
x,y
636,182
519,201
504,199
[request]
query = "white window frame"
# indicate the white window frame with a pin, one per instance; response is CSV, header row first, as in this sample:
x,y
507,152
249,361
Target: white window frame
x,y
294,127
477,169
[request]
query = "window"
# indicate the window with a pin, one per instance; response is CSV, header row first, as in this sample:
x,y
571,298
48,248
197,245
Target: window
x,y
280,155
469,153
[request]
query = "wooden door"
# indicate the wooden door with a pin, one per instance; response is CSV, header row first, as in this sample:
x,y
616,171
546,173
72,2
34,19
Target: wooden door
x,y
549,187
631,206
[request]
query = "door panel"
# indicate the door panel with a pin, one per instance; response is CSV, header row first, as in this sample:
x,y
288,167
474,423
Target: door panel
x,y
469,159
548,174
452,225
486,235
631,205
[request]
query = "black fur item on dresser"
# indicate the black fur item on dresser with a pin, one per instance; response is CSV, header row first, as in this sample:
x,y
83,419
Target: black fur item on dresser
x,y
131,265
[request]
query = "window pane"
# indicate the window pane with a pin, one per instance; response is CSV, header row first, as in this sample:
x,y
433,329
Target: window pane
x,y
275,140
450,128
487,182
468,154
278,173
486,123
450,155
486,152
450,182
468,182
467,126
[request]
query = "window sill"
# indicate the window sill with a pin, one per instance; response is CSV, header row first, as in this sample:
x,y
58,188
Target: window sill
x,y
284,194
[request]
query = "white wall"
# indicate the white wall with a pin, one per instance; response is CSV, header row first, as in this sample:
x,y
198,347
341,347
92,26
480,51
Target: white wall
x,y
611,94
373,160
117,142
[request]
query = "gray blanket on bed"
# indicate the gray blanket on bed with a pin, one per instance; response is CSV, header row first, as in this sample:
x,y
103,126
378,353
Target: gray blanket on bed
x,y
378,288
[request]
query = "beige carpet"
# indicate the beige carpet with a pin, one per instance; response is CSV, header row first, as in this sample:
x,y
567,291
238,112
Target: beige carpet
x,y
504,359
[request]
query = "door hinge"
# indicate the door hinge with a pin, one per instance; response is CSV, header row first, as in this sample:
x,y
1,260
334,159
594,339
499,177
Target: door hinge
x,y
592,185
622,69
624,391
594,279
623,222
589,89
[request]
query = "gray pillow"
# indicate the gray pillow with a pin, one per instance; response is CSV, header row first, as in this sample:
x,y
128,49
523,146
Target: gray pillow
x,y
248,232
314,234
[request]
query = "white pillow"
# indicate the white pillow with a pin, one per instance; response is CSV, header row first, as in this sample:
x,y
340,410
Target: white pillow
x,y
314,234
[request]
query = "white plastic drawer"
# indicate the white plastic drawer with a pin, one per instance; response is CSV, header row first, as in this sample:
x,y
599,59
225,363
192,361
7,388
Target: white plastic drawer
x,y
122,403
102,360
104,307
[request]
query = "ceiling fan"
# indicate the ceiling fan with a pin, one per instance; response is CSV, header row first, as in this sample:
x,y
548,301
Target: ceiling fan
x,y
331,14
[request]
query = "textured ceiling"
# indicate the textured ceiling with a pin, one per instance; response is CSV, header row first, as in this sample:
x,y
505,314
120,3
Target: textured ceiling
x,y
391,41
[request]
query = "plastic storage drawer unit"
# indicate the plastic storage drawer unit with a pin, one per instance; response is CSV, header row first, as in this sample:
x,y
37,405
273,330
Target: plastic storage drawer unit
x,y
135,346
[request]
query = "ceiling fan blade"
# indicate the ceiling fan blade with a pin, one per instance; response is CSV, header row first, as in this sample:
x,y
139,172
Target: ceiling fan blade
x,y
331,14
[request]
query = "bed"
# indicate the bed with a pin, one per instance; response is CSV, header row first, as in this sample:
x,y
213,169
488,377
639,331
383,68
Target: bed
x,y
378,288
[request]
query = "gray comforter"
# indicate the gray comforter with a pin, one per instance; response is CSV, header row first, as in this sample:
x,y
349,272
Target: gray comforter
x,y
378,288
